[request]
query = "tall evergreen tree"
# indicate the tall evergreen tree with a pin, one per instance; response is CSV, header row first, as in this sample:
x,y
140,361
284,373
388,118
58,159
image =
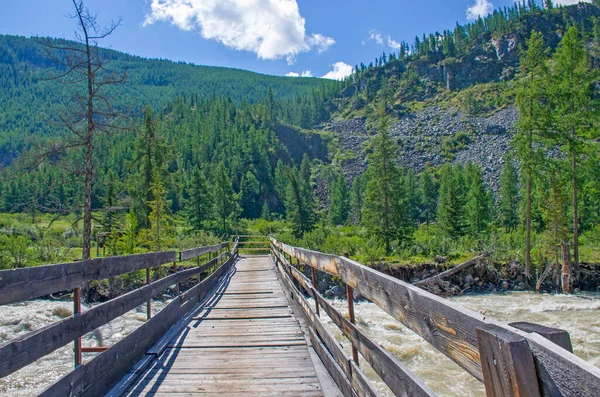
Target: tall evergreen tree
x,y
575,109
478,205
428,196
198,204
224,199
383,210
250,194
339,201
450,213
509,196
297,206
533,121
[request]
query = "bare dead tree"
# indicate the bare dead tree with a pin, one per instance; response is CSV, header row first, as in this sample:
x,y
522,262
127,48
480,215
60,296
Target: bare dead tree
x,y
90,112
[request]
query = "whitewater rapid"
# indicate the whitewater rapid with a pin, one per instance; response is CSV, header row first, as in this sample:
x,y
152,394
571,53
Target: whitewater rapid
x,y
580,315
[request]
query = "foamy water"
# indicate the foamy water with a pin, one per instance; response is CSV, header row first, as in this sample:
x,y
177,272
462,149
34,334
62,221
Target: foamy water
x,y
19,319
577,314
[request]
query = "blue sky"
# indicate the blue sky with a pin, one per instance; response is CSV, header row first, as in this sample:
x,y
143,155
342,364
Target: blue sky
x,y
279,37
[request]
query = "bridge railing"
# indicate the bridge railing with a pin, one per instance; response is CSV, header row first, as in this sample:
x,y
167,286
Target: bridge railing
x,y
511,360
96,376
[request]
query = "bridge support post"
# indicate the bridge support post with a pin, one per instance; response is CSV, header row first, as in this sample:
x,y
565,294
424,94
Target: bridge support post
x,y
314,283
350,299
77,312
507,363
176,285
149,302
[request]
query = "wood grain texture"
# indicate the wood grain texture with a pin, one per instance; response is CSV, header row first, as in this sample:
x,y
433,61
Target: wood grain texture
x,y
231,346
21,284
196,252
449,327
104,371
555,335
507,362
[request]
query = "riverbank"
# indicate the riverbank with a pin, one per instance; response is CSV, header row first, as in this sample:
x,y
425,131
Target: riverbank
x,y
483,277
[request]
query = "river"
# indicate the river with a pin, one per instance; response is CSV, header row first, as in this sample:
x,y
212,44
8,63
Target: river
x,y
577,314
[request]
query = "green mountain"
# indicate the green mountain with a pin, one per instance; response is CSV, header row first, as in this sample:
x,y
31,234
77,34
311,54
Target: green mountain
x,y
31,100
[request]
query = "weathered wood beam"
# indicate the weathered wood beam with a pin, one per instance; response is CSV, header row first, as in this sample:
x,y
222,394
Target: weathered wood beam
x,y
99,375
555,335
196,252
507,363
449,327
32,282
22,351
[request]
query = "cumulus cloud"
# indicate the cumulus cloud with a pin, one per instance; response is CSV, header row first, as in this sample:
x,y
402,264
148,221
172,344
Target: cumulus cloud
x,y
340,71
306,73
379,38
481,8
270,28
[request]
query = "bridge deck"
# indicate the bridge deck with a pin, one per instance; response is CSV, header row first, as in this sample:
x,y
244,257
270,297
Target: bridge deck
x,y
246,340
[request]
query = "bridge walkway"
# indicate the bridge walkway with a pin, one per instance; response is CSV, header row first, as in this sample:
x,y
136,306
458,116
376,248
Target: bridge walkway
x,y
245,340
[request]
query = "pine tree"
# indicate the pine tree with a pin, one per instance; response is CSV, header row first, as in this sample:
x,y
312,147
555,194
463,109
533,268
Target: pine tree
x,y
265,212
250,191
450,213
339,201
428,196
198,205
160,222
533,122
412,196
575,110
296,206
224,198
384,199
509,196
357,196
478,205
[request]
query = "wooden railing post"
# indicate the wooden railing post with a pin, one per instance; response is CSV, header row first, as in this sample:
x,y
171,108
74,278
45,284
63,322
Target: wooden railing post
x,y
350,298
314,282
559,337
149,302
77,312
176,285
507,363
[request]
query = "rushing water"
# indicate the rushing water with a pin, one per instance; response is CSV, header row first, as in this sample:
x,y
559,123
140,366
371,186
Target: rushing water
x,y
580,315
577,314
18,319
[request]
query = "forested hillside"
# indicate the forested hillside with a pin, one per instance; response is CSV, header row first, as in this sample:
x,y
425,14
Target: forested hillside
x,y
482,138
31,98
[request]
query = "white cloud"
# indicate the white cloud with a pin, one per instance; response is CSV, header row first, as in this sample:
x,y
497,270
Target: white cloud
x,y
270,28
340,71
481,8
306,73
379,38
569,2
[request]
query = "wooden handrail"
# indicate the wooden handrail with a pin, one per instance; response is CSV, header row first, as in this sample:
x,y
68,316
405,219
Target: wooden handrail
x,y
196,252
28,283
400,379
32,282
451,328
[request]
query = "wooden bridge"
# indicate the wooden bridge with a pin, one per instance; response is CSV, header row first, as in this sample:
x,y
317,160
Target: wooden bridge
x,y
244,326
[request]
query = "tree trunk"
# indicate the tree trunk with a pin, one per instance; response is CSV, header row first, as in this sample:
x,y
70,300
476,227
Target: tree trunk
x,y
87,205
528,231
575,220
567,270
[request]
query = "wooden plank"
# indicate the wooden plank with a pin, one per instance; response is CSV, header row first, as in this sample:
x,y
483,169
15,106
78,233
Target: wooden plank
x,y
336,372
507,362
361,384
449,327
555,335
105,370
398,377
32,282
196,252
